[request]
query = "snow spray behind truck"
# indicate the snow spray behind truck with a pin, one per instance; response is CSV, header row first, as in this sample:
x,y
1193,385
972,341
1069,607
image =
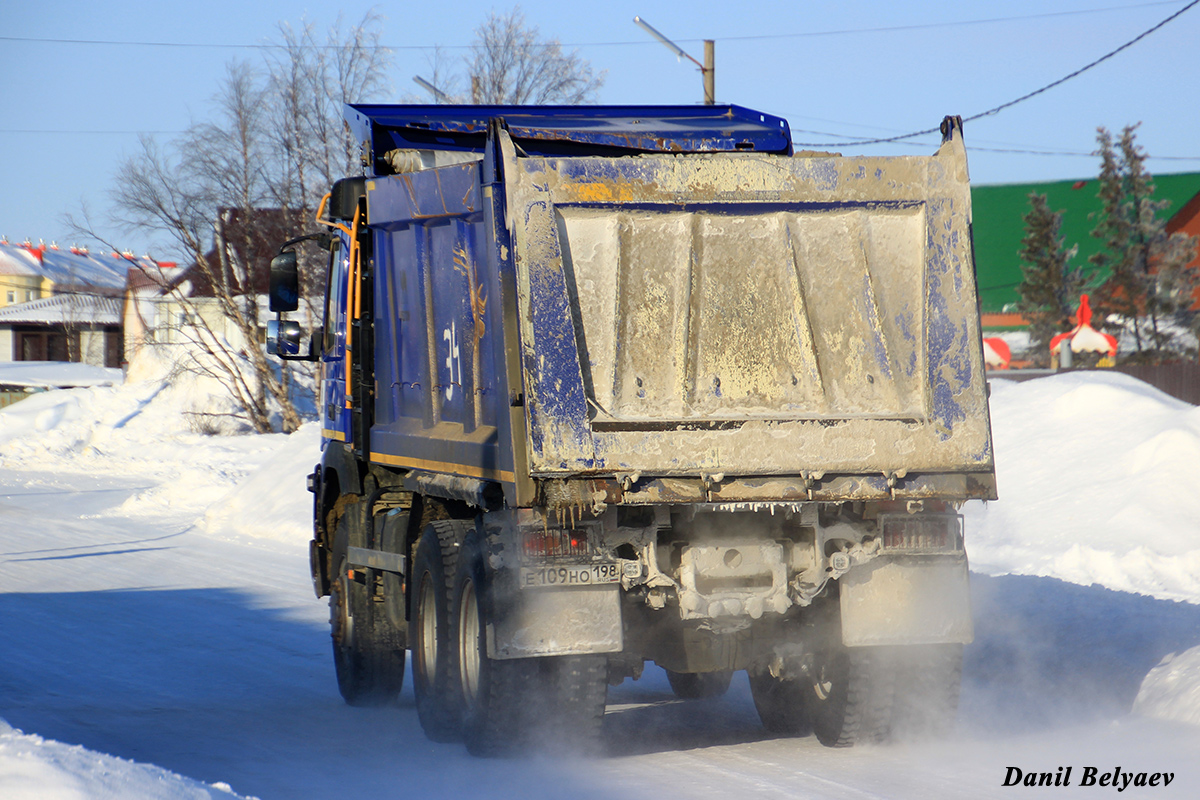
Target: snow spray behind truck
x,y
607,385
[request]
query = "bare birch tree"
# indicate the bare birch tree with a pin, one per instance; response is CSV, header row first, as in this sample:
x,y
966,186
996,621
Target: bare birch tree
x,y
175,195
511,64
232,188
311,80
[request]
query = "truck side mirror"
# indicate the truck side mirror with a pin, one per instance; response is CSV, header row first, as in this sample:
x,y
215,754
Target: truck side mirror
x,y
283,338
284,292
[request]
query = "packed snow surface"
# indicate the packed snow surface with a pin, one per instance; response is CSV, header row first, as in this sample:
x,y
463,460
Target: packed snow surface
x,y
161,637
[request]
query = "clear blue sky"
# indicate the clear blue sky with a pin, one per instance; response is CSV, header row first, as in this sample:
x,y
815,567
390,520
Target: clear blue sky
x,y
71,111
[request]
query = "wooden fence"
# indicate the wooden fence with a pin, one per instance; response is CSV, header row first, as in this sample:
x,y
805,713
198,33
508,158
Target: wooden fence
x,y
13,394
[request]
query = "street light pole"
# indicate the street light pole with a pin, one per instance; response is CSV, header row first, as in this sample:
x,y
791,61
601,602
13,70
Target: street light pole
x,y
438,95
707,69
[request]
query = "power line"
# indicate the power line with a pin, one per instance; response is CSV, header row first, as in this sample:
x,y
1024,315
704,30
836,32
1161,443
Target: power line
x,y
71,132
1071,153
985,145
808,34
932,25
1022,98
1023,150
849,141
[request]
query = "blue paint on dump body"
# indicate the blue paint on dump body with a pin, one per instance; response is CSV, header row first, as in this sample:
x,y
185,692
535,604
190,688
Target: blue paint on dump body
x,y
560,404
908,330
872,316
822,173
437,324
555,130
946,336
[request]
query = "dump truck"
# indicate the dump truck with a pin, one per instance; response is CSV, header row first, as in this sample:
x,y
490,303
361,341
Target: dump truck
x,y
602,386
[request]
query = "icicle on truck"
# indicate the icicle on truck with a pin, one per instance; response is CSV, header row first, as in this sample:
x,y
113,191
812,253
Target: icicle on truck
x,y
608,385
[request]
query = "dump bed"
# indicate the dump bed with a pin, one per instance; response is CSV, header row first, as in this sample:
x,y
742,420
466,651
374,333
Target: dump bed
x,y
760,323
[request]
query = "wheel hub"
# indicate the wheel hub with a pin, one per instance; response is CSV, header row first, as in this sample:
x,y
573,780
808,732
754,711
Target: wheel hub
x,y
469,658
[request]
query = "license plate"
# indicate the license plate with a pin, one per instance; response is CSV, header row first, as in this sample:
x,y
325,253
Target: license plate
x,y
570,575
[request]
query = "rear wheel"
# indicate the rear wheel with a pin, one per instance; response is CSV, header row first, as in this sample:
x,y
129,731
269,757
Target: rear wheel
x,y
434,667
368,651
850,694
547,703
928,680
493,722
782,704
574,691
698,685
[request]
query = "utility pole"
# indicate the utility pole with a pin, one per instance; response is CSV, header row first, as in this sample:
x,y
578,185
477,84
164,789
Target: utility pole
x,y
707,69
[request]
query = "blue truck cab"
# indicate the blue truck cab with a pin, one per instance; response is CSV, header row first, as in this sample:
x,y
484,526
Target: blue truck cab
x,y
603,386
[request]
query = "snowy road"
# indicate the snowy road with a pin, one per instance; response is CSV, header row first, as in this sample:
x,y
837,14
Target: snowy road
x,y
146,637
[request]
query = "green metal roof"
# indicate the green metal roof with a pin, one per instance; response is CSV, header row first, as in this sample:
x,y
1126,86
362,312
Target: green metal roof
x,y
999,225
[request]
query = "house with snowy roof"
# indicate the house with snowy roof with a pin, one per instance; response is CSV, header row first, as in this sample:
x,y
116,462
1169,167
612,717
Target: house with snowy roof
x,y
62,304
186,305
120,302
64,327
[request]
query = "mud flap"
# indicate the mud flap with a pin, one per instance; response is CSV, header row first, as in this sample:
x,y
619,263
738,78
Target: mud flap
x,y
907,601
558,622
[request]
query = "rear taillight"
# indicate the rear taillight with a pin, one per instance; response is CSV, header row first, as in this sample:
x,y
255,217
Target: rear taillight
x,y
547,543
920,533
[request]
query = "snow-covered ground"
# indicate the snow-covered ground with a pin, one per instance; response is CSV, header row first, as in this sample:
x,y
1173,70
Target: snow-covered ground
x,y
160,637
1099,476
45,374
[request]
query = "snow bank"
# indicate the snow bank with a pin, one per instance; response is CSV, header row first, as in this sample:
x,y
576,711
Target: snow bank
x,y
33,768
272,503
56,373
157,427
1172,689
1099,483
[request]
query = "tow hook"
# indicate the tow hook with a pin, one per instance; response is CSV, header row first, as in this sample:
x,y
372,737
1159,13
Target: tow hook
x,y
839,563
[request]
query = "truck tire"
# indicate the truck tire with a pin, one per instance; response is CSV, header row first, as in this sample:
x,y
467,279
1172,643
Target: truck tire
x,y
699,685
492,691
850,694
782,704
434,666
368,651
574,692
549,703
927,688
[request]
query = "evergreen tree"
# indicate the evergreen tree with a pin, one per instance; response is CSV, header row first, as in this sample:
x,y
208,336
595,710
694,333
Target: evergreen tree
x,y
1051,286
1149,285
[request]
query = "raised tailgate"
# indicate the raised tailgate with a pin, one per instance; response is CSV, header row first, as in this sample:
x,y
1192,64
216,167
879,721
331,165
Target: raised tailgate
x,y
748,314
